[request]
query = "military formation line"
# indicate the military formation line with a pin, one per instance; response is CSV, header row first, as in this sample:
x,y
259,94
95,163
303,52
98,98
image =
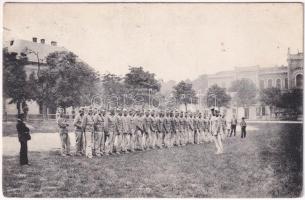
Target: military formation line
x,y
99,132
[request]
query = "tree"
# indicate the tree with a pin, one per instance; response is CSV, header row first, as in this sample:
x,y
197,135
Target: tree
x,y
271,97
66,82
14,79
292,101
137,78
184,93
245,91
222,98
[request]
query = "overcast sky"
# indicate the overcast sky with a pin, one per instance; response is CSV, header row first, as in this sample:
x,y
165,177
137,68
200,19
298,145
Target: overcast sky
x,y
175,41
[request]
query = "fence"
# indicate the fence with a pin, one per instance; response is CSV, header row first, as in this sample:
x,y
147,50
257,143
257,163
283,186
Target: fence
x,y
34,117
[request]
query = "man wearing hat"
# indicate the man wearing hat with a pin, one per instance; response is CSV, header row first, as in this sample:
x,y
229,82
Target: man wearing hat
x,y
190,128
167,129
109,131
79,132
119,132
23,136
176,130
99,136
159,129
88,127
182,129
146,129
153,130
126,129
140,133
63,132
131,131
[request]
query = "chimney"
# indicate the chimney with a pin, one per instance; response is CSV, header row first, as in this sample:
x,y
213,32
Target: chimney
x,y
42,41
34,39
53,43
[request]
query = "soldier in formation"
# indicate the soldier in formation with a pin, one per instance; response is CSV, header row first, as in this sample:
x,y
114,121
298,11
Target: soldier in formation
x,y
99,132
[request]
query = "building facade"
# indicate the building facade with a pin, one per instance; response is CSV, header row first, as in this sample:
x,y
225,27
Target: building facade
x,y
282,77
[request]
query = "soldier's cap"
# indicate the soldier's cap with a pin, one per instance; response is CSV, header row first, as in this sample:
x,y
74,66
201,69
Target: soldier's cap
x,y
124,110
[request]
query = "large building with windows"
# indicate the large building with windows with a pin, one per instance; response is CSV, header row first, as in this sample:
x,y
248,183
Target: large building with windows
x,y
283,77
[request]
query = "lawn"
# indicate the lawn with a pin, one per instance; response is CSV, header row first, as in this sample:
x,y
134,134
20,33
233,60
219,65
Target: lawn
x,y
268,163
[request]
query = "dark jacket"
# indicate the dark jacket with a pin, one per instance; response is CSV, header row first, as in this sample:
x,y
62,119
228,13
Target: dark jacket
x,y
23,131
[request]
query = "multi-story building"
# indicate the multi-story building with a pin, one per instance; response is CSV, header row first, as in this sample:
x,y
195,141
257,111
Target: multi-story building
x,y
283,77
36,52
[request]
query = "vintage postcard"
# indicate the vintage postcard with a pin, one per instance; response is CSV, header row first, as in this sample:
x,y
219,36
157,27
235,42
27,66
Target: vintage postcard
x,y
152,100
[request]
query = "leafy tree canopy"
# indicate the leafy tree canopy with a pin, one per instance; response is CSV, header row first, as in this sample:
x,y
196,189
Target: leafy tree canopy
x,y
245,91
222,98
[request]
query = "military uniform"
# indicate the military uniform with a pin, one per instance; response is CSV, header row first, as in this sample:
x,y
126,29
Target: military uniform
x,y
79,143
153,131
118,134
140,133
182,129
160,130
191,130
109,133
126,132
132,132
167,129
88,126
64,136
99,140
146,131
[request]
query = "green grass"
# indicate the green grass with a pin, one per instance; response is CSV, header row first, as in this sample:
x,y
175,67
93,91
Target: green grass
x,y
267,164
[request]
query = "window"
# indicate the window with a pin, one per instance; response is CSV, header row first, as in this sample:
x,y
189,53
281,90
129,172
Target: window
x,y
278,83
299,81
269,83
261,84
286,83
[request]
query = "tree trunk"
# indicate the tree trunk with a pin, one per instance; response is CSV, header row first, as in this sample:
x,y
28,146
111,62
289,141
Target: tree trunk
x,y
18,107
44,111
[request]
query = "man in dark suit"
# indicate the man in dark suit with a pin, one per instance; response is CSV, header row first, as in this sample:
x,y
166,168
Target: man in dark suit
x,y
23,136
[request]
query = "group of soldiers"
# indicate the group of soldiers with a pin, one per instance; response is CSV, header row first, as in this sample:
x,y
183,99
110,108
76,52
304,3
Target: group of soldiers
x,y
103,132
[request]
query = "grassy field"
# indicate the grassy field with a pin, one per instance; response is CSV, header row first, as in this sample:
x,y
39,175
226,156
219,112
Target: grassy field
x,y
267,163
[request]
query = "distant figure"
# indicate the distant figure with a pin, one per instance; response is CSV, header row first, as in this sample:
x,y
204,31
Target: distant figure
x,y
233,125
23,136
243,126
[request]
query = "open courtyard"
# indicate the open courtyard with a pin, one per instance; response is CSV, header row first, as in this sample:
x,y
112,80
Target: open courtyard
x,y
268,163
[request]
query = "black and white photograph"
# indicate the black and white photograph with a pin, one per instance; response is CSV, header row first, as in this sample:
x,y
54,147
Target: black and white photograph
x,y
152,99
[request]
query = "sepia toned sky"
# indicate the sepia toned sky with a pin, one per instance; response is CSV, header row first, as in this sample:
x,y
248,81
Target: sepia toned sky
x,y
175,41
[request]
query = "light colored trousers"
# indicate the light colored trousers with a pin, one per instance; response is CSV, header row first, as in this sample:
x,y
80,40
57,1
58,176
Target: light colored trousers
x,y
132,141
191,136
118,142
65,142
167,139
99,142
125,141
109,143
140,138
159,140
79,141
153,139
89,142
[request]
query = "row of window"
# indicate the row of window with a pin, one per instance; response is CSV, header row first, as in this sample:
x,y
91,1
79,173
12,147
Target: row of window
x,y
278,83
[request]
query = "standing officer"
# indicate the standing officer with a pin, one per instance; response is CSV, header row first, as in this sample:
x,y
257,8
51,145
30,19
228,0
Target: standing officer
x,y
79,132
88,126
23,136
99,140
141,135
63,131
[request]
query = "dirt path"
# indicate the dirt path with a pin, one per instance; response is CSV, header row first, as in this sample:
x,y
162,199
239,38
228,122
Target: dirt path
x,y
39,142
